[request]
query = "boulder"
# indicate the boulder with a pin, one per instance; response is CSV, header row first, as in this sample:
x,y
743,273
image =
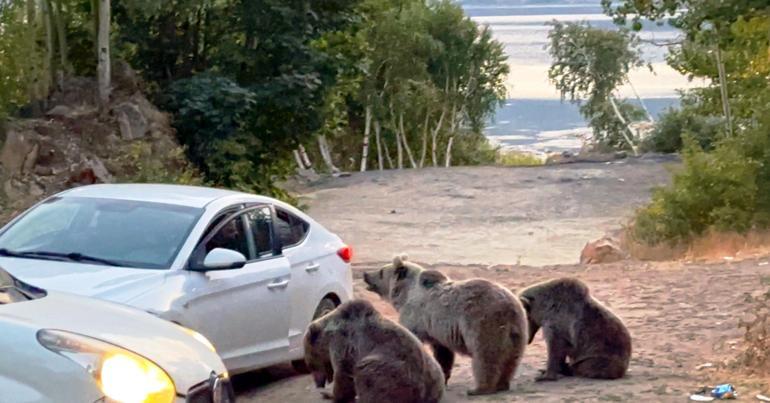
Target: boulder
x,y
603,250
60,111
18,147
88,172
132,123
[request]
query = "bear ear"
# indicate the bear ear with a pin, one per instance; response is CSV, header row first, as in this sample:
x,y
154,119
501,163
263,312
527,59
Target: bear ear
x,y
401,272
398,260
430,278
313,332
526,302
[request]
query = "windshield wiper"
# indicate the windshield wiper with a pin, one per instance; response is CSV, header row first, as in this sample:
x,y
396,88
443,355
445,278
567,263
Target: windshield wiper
x,y
71,256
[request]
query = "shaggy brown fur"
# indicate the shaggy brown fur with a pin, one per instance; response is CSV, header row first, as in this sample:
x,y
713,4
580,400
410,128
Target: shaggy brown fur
x,y
473,317
370,356
584,338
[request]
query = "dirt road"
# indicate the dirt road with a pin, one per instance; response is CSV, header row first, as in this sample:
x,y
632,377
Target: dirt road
x,y
680,315
484,215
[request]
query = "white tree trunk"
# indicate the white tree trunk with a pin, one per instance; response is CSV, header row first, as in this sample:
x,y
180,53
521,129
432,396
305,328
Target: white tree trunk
x,y
387,154
434,136
424,151
103,66
406,143
323,147
723,91
625,123
449,151
48,62
377,129
298,159
452,127
305,158
399,150
641,101
367,128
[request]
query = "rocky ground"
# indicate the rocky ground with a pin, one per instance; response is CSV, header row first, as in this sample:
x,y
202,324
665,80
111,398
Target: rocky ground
x,y
71,141
481,221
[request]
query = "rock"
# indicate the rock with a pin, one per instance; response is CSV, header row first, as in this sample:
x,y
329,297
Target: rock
x,y
59,111
14,189
18,146
123,76
43,171
156,119
89,172
603,250
31,159
133,125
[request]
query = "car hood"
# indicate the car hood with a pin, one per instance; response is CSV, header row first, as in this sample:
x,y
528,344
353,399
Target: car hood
x,y
186,360
117,284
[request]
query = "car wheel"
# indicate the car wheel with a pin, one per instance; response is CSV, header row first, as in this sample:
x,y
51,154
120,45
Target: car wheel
x,y
325,306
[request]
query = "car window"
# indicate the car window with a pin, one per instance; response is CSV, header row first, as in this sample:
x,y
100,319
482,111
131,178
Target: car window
x,y
291,229
261,229
230,236
129,233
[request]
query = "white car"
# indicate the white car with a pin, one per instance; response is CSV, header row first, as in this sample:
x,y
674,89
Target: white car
x,y
248,272
58,347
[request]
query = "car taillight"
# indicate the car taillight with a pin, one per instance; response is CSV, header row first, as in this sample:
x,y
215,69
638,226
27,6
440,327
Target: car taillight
x,y
345,253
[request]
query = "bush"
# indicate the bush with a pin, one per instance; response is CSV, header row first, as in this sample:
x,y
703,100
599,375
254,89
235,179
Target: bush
x,y
470,148
724,190
674,123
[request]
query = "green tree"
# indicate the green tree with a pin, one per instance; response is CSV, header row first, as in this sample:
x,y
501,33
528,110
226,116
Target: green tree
x,y
589,64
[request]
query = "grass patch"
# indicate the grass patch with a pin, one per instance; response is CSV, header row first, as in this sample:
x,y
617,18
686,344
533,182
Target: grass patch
x,y
518,159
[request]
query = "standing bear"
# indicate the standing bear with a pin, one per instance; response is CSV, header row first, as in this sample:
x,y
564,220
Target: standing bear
x,y
583,337
367,355
472,317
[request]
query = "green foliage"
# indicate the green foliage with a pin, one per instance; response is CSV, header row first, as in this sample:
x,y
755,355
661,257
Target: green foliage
x,y
473,149
723,190
21,61
676,123
146,166
589,64
727,186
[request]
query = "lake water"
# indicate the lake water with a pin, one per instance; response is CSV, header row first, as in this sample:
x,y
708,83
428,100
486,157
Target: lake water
x,y
534,118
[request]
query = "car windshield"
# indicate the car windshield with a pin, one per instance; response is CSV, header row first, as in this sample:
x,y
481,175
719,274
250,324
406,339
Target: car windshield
x,y
101,231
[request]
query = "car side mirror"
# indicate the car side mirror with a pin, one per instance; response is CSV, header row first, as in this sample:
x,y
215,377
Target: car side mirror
x,y
222,259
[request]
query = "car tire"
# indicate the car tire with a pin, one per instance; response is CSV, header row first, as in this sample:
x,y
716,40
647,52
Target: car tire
x,y
325,306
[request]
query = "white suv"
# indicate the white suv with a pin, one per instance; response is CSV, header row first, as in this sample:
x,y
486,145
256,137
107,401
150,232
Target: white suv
x,y
246,271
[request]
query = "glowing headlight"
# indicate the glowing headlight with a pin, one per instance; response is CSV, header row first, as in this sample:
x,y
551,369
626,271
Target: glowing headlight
x,y
121,375
201,338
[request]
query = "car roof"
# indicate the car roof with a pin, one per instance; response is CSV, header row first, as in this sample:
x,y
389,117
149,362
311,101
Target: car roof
x,y
190,196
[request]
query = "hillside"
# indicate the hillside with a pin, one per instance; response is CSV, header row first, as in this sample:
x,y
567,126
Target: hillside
x,y
74,143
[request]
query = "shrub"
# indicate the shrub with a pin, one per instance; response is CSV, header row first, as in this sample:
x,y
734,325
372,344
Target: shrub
x,y
724,190
674,123
519,159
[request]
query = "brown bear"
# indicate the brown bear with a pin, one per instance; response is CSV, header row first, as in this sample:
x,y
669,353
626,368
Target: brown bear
x,y
584,338
473,317
368,355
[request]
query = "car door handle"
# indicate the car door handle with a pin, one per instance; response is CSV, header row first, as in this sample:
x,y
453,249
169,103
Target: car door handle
x,y
312,267
282,284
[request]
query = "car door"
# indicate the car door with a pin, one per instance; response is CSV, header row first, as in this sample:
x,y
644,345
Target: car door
x,y
244,312
306,273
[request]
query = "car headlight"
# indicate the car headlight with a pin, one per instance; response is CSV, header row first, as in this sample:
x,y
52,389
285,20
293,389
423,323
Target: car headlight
x,y
122,375
201,338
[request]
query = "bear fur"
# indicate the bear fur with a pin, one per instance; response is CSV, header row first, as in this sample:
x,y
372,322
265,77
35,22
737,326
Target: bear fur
x,y
366,354
472,317
584,338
